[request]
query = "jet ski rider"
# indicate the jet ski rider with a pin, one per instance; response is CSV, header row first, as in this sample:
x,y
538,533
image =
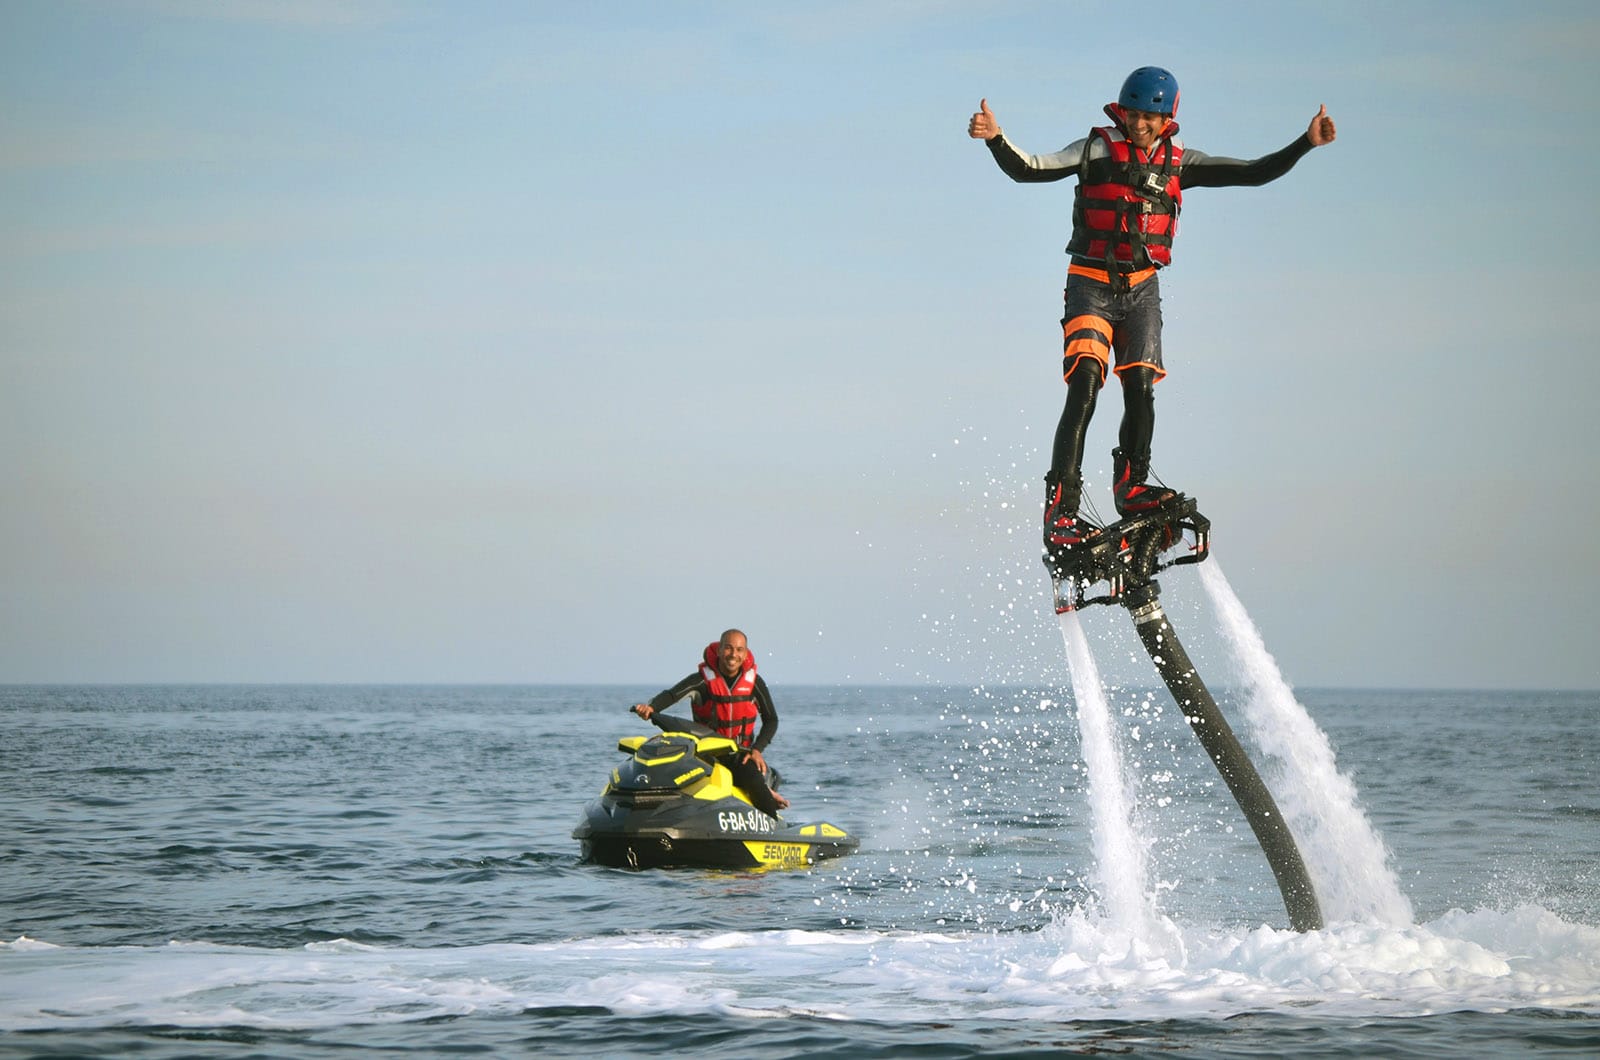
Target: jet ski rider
x,y
728,695
1131,178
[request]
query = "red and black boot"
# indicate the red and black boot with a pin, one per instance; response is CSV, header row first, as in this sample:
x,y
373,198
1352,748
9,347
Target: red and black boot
x,y
1063,526
1128,474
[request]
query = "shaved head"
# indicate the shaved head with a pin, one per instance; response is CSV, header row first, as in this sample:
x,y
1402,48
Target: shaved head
x,y
732,652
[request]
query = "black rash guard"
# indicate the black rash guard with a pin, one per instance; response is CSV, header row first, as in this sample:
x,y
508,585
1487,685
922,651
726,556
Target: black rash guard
x,y
1196,169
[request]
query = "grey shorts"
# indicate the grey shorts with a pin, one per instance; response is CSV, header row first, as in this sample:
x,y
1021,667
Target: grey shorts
x,y
1098,320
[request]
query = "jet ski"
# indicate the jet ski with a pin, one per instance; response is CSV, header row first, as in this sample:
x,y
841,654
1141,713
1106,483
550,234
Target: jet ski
x,y
673,804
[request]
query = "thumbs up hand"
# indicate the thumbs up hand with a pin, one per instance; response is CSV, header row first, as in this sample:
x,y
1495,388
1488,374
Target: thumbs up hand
x,y
983,125
1321,130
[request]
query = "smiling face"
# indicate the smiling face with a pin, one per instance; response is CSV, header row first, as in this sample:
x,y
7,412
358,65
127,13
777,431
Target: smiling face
x,y
1144,127
731,653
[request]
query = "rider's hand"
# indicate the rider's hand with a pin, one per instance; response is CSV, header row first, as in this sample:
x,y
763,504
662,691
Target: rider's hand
x,y
1321,130
753,755
983,125
644,710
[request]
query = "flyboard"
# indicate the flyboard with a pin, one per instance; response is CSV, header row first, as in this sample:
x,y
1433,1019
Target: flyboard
x,y
1118,565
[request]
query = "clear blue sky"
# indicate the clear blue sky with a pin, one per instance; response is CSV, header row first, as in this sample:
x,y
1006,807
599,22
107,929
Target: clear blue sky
x,y
390,341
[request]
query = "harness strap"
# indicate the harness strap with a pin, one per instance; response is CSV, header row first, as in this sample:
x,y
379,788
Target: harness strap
x,y
1148,181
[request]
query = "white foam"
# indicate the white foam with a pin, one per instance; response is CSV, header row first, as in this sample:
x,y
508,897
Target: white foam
x,y
1082,966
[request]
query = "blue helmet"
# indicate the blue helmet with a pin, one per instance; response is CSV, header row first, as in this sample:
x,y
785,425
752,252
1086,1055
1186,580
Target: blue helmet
x,y
1151,89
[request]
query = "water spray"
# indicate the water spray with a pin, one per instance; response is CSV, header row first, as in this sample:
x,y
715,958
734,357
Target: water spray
x,y
1126,556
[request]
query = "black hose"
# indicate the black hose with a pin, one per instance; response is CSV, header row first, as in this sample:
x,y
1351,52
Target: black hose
x,y
1249,791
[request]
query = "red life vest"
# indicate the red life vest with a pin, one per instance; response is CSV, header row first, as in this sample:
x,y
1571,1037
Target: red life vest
x,y
1125,210
730,711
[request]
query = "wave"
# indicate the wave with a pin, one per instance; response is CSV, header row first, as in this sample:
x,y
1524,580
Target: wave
x,y
1079,967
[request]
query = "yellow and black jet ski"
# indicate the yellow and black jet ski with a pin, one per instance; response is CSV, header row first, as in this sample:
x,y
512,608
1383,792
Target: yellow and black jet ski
x,y
673,804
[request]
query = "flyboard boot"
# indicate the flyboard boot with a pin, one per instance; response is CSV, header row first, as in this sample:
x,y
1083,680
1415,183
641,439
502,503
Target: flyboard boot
x,y
1127,554
1064,528
1067,536
1128,474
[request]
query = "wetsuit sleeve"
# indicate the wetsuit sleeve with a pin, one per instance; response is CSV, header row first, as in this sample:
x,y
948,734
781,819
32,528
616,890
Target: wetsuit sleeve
x,y
693,683
1201,170
1035,169
769,715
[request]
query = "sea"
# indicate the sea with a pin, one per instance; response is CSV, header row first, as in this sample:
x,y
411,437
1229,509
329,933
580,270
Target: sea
x,y
319,871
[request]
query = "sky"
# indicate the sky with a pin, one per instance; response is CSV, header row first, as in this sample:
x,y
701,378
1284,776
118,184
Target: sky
x,y
380,341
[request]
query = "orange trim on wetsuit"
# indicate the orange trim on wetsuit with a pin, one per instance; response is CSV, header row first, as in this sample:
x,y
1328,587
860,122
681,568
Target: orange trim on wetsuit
x,y
1134,278
1086,336
1160,372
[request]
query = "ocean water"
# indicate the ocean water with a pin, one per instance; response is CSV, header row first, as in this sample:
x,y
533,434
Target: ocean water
x,y
314,871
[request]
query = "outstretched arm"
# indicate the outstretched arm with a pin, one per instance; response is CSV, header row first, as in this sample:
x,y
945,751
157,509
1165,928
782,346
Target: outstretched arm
x,y
1201,170
1020,167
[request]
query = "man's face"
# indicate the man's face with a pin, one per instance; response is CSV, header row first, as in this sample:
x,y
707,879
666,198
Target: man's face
x,y
731,654
1144,128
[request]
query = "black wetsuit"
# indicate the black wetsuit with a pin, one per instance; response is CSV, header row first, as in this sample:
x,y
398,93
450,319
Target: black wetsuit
x,y
695,687
1196,169
747,776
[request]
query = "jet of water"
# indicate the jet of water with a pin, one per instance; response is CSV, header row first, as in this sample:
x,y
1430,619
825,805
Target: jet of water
x,y
1347,859
1120,851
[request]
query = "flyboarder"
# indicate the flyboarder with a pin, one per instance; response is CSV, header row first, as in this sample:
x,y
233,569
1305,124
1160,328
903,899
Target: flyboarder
x,y
1131,177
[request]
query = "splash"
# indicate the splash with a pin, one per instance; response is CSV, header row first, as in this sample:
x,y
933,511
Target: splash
x,y
1346,857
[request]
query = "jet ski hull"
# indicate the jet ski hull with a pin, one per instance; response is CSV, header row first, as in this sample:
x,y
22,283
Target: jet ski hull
x,y
674,805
